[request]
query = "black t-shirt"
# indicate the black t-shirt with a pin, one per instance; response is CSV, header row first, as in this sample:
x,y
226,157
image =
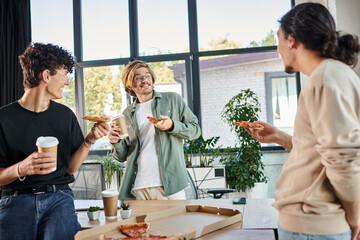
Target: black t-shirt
x,y
19,129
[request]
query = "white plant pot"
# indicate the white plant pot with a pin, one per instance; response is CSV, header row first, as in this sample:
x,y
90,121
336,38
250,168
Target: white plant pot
x,y
125,213
93,215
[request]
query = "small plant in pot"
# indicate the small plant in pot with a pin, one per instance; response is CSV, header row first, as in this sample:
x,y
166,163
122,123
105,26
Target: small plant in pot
x,y
125,210
93,212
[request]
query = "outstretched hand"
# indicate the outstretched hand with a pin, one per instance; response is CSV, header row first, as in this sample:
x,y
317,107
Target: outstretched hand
x,y
99,130
269,134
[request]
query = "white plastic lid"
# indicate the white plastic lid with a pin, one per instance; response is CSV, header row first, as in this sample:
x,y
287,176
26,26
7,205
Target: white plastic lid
x,y
47,141
118,116
109,193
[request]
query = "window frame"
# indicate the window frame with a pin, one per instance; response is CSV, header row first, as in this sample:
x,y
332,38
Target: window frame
x,y
193,91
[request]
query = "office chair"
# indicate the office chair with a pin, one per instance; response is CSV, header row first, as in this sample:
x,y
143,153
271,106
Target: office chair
x,y
89,181
191,191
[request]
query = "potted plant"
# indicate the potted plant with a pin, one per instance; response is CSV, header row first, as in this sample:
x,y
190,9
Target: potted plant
x,y
111,166
93,212
203,148
200,155
244,167
125,210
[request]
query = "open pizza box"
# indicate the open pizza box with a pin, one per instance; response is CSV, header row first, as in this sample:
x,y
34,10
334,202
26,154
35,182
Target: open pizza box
x,y
191,221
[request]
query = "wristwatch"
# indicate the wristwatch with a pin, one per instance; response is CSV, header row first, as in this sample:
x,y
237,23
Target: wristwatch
x,y
88,141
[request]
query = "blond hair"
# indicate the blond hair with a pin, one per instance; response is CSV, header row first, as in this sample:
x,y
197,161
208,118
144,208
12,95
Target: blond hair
x,y
129,73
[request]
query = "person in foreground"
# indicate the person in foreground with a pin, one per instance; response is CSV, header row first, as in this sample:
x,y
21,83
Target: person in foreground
x,y
36,202
318,191
155,166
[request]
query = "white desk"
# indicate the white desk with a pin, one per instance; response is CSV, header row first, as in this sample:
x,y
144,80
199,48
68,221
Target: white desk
x,y
260,219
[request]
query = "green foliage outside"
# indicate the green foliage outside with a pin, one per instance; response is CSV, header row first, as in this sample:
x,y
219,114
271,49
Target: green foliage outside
x,y
99,83
223,43
163,71
110,167
269,40
244,168
203,148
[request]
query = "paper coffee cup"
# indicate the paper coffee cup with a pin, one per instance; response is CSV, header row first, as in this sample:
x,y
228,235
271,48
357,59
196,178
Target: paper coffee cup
x,y
121,122
110,200
48,144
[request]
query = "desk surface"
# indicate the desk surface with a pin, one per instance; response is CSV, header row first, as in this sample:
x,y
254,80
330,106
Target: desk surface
x,y
257,214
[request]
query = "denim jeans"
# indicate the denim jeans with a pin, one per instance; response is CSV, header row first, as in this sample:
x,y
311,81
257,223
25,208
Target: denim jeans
x,y
286,235
48,216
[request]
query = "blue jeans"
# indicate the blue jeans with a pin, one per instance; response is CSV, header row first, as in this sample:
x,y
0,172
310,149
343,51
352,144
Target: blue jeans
x,y
286,235
38,216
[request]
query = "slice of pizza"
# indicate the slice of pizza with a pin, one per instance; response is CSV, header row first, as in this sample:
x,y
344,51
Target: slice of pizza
x,y
246,124
96,119
155,120
134,230
145,237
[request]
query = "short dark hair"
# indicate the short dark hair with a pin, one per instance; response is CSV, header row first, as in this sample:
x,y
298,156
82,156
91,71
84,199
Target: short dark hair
x,y
39,57
313,25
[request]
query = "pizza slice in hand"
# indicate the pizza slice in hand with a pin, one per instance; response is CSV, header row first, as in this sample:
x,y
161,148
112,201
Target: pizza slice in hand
x,y
134,230
155,121
96,119
245,124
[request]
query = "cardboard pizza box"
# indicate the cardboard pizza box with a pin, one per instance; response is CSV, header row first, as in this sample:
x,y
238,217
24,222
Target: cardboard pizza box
x,y
191,221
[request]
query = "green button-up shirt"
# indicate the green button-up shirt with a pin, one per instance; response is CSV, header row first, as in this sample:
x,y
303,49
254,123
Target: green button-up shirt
x,y
169,143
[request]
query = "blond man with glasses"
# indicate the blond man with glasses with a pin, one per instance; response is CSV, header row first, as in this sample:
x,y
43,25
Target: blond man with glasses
x,y
154,152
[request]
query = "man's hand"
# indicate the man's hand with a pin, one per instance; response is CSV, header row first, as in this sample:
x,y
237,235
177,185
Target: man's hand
x,y
114,133
352,211
166,124
37,164
99,130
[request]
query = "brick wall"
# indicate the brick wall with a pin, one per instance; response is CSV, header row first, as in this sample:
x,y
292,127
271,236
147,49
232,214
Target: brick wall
x,y
219,85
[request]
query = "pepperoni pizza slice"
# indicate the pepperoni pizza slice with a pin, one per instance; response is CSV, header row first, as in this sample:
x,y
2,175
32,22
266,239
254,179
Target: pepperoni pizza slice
x,y
134,230
246,124
155,120
146,237
96,119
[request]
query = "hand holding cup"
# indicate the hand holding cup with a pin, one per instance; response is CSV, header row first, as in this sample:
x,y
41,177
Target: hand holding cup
x,y
48,145
118,129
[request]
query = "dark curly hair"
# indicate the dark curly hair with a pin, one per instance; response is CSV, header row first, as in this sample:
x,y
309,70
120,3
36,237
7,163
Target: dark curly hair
x,y
313,25
39,57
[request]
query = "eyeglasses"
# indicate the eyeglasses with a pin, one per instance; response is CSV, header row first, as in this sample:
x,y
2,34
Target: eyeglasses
x,y
140,78
69,77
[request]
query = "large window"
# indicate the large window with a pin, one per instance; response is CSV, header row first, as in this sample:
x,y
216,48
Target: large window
x,y
281,97
223,77
163,27
229,24
205,50
105,28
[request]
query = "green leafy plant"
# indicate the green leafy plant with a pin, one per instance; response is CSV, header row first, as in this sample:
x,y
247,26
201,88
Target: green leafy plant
x,y
110,167
244,166
93,208
204,148
125,206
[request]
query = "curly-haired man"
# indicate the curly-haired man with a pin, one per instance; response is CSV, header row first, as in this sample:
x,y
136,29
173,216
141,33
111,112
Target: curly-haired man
x,y
36,202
